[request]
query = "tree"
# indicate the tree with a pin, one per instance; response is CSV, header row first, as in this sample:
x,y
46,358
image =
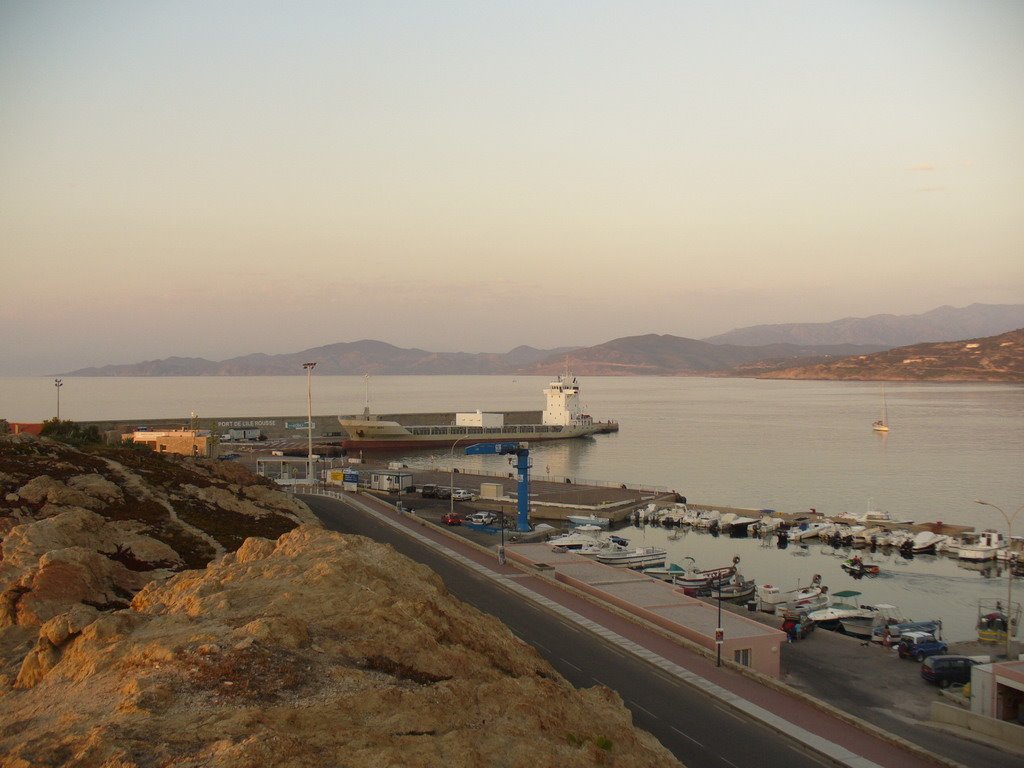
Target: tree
x,y
71,433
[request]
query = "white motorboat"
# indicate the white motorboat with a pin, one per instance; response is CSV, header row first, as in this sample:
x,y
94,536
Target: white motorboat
x,y
772,599
981,546
634,558
926,541
578,520
809,530
599,548
571,541
864,537
706,518
845,605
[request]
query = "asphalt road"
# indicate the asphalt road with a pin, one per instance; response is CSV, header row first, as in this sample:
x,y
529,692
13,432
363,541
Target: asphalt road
x,y
697,730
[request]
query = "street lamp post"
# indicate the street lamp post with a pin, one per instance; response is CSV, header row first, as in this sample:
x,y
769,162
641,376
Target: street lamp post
x,y
1009,574
451,476
719,633
58,383
309,418
501,547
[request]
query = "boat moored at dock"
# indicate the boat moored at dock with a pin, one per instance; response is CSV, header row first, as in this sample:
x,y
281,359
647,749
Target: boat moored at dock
x,y
562,419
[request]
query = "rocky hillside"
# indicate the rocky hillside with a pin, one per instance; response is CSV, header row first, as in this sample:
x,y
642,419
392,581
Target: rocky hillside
x,y
996,358
887,330
139,627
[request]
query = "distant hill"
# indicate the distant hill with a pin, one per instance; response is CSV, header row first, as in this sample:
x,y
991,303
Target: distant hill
x,y
664,355
993,358
942,324
650,354
342,359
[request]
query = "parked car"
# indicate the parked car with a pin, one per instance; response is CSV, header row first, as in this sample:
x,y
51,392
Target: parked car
x,y
920,645
482,518
428,491
946,670
443,492
451,518
460,494
229,456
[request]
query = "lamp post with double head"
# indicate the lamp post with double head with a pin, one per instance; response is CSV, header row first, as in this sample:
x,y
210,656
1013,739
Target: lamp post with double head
x,y
58,383
309,419
451,476
1009,574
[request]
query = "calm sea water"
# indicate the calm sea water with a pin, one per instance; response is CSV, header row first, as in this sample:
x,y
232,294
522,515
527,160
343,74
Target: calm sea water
x,y
781,445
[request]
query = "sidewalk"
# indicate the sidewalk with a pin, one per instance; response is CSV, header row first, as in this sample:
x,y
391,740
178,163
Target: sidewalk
x,y
841,738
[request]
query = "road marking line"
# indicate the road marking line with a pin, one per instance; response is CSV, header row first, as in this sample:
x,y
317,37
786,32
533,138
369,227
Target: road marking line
x,y
643,709
687,736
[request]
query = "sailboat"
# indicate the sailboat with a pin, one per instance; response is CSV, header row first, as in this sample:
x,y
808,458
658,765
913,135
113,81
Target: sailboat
x,y
882,425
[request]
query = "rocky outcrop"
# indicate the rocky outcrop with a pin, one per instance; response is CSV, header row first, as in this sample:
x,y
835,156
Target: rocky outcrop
x,y
316,649
307,648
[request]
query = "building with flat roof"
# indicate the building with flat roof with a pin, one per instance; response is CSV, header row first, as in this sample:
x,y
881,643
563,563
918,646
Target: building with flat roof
x,y
185,442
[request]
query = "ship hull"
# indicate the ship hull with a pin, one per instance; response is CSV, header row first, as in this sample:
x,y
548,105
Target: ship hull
x,y
403,442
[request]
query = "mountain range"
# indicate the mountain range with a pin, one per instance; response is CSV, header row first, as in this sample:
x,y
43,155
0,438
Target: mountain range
x,y
753,351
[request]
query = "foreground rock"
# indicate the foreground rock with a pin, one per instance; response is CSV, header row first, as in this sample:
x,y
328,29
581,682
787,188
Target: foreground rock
x,y
318,649
165,612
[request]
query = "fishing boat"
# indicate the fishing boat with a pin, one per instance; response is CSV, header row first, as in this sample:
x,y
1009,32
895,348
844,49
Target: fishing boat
x,y
734,588
981,546
664,572
693,580
634,558
882,425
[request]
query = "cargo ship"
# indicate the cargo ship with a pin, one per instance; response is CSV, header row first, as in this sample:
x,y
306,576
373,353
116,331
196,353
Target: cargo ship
x,y
562,419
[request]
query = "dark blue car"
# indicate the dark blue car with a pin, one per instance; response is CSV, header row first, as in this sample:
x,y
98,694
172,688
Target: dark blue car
x,y
920,645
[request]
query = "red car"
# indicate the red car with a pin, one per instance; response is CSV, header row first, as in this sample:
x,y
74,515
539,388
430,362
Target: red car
x,y
452,518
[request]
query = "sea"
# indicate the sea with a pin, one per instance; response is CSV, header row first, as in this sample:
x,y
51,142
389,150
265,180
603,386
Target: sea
x,y
788,446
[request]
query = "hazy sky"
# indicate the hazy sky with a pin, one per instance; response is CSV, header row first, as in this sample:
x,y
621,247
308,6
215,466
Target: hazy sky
x,y
216,178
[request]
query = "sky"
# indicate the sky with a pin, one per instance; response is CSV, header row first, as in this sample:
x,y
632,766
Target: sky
x,y
212,179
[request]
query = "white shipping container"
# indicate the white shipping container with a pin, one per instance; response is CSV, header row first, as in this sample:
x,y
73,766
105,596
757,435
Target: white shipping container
x,y
479,419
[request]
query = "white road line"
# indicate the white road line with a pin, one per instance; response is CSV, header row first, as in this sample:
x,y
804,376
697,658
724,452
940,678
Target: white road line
x,y
566,661
687,736
727,762
634,705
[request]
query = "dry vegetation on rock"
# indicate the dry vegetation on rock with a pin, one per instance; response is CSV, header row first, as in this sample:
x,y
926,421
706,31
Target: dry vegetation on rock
x,y
313,649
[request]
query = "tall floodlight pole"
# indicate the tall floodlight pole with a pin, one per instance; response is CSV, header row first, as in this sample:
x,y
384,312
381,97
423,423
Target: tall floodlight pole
x,y
309,418
58,383
451,476
1009,573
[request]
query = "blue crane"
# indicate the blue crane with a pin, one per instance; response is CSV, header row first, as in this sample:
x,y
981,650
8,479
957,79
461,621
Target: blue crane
x,y
522,452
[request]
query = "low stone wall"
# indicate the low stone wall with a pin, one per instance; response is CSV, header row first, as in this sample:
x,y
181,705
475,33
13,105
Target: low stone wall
x,y
1000,730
